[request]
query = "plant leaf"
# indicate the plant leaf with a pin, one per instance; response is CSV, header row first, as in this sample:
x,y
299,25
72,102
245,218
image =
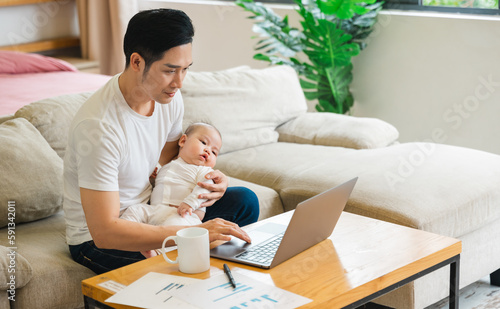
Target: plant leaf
x,y
343,9
333,31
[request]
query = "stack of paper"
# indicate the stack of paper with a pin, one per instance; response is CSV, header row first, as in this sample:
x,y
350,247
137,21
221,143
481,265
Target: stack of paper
x,y
156,290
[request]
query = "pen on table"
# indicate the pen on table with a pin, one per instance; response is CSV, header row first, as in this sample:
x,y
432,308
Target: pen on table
x,y
229,275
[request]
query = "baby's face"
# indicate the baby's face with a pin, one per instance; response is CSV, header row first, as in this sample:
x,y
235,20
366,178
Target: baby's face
x,y
201,147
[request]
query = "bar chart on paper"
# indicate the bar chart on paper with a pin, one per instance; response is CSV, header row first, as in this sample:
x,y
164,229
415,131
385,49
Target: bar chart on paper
x,y
167,289
217,292
153,291
228,291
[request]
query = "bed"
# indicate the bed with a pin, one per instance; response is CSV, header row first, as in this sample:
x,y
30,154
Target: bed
x,y
25,78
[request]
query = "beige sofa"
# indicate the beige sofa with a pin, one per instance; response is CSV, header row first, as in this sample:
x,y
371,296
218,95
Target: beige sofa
x,y
273,146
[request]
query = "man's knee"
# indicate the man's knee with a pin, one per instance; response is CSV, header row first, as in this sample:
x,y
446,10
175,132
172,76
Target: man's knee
x,y
247,200
244,195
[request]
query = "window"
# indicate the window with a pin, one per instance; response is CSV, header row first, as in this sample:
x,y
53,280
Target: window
x,y
458,6
478,4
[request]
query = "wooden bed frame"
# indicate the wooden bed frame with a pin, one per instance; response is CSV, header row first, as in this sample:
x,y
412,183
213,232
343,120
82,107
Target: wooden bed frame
x,y
39,46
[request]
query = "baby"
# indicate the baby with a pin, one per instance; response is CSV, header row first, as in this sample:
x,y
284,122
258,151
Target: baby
x,y
174,200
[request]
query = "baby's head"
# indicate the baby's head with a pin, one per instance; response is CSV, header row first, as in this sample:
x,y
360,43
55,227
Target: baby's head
x,y
200,144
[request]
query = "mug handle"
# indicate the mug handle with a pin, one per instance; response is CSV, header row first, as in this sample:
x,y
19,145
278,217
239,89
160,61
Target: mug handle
x,y
174,238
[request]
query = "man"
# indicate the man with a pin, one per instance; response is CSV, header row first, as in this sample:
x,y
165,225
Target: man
x,y
116,140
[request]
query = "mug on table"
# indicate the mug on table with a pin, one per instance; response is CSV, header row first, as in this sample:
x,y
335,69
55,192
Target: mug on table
x,y
193,248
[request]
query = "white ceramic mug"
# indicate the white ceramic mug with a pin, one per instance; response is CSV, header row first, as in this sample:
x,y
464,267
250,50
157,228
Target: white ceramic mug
x,y
193,248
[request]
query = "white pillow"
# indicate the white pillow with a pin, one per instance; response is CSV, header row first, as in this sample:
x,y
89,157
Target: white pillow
x,y
329,129
246,105
31,185
53,117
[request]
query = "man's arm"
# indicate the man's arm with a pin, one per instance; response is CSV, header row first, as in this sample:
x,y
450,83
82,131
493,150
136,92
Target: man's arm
x,y
102,211
169,152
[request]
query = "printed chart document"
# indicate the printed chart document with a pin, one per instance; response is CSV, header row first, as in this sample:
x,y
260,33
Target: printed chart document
x,y
156,290
153,291
217,292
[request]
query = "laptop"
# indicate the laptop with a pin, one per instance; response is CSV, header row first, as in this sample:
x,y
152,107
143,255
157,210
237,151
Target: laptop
x,y
312,222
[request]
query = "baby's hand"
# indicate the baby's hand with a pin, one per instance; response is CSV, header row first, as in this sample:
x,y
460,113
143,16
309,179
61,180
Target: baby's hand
x,y
184,209
152,178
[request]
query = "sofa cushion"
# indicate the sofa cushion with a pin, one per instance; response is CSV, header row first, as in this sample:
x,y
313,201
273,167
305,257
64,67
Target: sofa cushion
x,y
269,200
437,188
14,264
246,105
4,118
53,116
331,129
4,299
31,177
57,279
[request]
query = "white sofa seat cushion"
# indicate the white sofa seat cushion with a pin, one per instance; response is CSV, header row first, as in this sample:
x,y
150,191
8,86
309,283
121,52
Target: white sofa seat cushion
x,y
437,188
269,200
56,281
12,263
246,105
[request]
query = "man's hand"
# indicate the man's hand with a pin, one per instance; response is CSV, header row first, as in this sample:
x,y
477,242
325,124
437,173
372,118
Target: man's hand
x,y
217,189
220,229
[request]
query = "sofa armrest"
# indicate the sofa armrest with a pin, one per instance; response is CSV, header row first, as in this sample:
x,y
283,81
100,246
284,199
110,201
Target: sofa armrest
x,y
13,264
331,129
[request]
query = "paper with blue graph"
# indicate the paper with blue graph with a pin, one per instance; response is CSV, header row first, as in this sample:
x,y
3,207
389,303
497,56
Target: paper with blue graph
x,y
156,290
217,292
153,291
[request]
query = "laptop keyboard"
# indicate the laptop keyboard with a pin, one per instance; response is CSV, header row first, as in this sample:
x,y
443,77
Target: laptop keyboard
x,y
263,253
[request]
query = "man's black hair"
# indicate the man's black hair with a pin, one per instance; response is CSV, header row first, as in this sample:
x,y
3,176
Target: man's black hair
x,y
151,33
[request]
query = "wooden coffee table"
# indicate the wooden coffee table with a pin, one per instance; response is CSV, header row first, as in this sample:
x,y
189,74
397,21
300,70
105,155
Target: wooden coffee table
x,y
363,259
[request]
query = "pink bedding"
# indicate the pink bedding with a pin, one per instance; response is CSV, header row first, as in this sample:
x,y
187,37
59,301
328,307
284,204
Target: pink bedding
x,y
17,90
25,78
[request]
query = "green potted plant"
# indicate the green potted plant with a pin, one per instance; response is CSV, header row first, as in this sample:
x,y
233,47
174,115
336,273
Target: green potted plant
x,y
332,33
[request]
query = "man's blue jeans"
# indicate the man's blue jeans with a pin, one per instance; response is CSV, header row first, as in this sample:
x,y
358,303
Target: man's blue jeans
x,y
239,205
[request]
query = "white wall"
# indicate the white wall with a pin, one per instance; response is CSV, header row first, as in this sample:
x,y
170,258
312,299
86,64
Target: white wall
x,y
222,33
434,76
30,23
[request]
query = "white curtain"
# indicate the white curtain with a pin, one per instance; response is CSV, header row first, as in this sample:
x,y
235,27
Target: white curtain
x,y
102,26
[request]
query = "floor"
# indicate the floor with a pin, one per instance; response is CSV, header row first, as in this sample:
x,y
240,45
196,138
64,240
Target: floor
x,y
479,295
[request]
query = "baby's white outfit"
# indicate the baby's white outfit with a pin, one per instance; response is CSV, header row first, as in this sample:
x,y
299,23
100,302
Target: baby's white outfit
x,y
176,182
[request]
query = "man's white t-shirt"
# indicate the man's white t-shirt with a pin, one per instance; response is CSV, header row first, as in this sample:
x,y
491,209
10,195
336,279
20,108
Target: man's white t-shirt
x,y
112,148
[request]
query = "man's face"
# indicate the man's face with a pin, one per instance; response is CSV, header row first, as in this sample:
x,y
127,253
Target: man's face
x,y
165,76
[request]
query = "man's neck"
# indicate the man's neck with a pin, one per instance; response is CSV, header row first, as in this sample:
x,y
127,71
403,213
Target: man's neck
x,y
138,101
